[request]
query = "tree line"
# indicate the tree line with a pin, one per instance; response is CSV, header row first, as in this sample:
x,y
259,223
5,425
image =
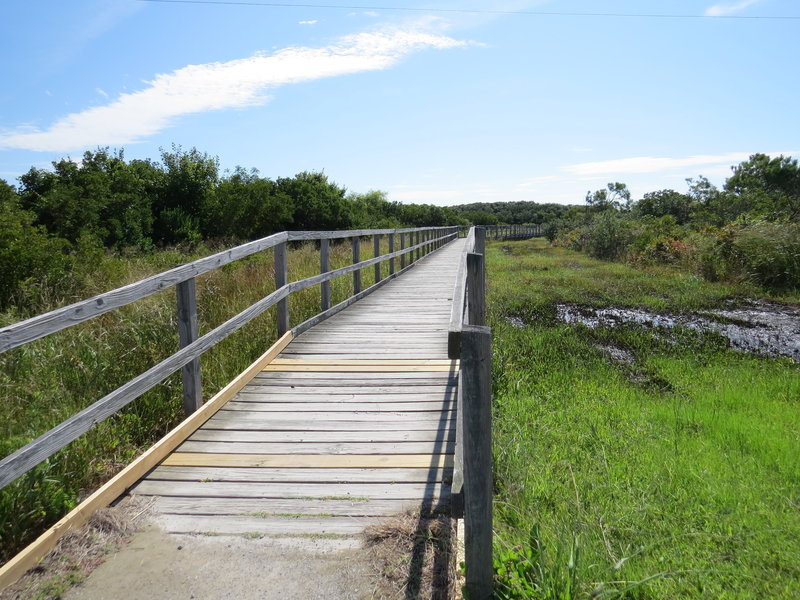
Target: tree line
x,y
58,218
747,230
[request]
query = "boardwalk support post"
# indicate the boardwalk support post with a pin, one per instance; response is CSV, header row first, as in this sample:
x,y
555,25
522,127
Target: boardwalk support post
x,y
324,267
476,400
281,279
187,333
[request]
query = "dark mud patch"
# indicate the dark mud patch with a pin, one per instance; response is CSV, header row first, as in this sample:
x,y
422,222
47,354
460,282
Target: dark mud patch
x,y
617,354
759,327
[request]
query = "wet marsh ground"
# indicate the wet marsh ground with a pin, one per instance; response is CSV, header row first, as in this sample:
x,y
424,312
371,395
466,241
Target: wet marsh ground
x,y
633,458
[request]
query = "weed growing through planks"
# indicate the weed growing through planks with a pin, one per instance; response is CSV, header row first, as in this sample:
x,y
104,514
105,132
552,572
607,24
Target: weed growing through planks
x,y
632,462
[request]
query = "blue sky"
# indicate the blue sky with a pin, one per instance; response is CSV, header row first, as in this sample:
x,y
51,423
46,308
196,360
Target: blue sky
x,y
437,106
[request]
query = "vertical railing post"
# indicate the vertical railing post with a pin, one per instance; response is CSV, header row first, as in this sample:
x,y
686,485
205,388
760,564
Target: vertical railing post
x,y
402,247
391,249
376,248
356,242
187,333
480,240
476,401
281,279
476,289
324,267
418,242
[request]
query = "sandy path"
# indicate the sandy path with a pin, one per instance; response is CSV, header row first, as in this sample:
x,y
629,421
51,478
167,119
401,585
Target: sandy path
x,y
156,565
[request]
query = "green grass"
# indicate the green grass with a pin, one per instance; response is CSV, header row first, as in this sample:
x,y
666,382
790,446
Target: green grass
x,y
676,476
49,380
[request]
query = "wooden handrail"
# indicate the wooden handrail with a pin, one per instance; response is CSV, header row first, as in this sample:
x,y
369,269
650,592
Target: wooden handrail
x,y
38,450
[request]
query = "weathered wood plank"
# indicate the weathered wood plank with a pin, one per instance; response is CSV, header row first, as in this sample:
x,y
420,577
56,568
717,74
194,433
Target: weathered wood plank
x,y
372,362
353,368
237,489
240,506
325,407
328,448
263,475
284,389
236,435
333,418
250,424
290,461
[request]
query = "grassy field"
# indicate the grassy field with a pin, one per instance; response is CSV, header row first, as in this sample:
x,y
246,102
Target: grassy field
x,y
674,473
51,379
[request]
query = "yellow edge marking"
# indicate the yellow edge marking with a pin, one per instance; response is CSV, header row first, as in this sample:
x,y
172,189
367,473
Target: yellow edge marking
x,y
301,461
32,554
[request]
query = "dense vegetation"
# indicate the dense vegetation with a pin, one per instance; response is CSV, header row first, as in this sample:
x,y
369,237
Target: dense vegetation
x,y
55,229
748,230
635,462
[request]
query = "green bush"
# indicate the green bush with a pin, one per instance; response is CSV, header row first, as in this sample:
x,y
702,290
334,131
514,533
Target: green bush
x,y
764,253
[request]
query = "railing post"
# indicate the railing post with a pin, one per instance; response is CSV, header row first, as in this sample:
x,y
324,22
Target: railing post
x,y
476,289
376,248
356,242
476,401
187,333
418,242
391,249
324,267
281,279
480,240
402,247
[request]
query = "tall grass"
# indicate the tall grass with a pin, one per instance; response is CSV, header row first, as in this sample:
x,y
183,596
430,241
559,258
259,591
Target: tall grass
x,y
673,476
49,380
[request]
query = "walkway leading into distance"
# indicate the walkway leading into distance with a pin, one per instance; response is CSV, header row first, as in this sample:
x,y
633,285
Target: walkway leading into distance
x,y
353,421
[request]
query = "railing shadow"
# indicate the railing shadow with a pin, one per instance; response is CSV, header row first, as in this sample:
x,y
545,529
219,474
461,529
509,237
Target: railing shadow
x,y
434,507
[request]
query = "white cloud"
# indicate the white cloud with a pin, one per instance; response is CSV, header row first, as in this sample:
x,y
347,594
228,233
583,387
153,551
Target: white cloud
x,y
245,82
309,22
102,92
721,10
650,164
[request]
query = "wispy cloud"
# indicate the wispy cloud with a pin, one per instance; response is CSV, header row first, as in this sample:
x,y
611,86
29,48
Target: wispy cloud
x,y
309,22
729,8
650,164
245,82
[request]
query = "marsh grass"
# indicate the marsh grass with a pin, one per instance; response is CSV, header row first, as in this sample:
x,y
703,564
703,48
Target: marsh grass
x,y
675,475
49,380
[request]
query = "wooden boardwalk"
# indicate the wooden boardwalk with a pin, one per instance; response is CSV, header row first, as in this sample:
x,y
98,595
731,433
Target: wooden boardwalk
x,y
353,421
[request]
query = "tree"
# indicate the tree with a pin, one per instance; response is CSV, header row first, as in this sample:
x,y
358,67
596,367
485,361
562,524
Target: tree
x,y
611,197
245,206
770,185
665,202
319,204
182,201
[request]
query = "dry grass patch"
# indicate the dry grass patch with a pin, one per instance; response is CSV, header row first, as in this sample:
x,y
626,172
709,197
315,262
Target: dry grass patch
x,y
81,551
414,557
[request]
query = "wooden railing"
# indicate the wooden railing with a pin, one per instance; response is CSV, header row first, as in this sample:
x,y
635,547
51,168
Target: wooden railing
x,y
469,340
413,244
